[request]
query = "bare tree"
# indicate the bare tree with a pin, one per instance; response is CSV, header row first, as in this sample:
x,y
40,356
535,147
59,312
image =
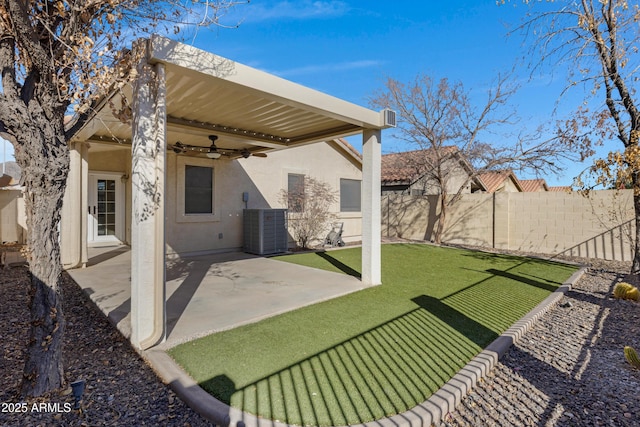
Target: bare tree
x,y
449,131
309,209
58,57
598,41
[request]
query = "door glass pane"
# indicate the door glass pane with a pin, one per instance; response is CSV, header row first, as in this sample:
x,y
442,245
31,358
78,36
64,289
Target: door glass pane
x,y
106,207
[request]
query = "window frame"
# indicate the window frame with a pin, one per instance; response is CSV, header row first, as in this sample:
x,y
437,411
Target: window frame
x,y
299,209
359,207
181,214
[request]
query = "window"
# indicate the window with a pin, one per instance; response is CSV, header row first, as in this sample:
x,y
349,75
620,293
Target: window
x,y
198,190
295,192
350,195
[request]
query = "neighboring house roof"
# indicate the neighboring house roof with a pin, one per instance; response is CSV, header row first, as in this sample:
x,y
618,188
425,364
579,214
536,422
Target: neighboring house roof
x,y
495,181
409,166
533,185
349,149
561,188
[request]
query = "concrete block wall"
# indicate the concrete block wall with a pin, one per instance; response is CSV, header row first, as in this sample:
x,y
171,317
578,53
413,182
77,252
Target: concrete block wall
x,y
600,226
409,217
567,223
471,221
12,218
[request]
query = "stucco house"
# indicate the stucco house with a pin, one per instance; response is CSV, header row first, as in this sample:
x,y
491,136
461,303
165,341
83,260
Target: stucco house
x,y
209,137
411,172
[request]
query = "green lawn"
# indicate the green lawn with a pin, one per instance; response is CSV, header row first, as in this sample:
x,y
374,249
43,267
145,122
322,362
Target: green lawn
x,y
376,352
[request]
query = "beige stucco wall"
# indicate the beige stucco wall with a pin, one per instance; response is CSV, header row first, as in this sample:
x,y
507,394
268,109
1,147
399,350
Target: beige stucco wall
x,y
320,161
508,186
547,222
456,177
263,179
12,216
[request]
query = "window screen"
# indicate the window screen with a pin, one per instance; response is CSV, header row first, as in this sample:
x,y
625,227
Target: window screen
x,y
295,192
350,195
198,190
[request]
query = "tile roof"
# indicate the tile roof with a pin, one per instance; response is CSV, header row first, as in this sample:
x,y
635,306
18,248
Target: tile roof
x,y
408,166
492,180
561,188
533,185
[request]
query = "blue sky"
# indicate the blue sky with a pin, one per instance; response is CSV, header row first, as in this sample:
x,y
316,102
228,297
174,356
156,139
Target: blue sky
x,y
347,48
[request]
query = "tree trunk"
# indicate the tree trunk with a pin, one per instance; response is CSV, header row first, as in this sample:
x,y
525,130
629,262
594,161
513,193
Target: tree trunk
x,y
44,158
441,218
43,370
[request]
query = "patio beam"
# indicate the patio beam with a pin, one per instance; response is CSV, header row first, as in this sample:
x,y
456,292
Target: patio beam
x,y
371,220
274,140
148,152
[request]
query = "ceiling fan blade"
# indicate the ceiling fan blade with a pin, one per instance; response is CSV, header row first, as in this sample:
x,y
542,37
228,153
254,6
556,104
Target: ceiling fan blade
x,y
263,155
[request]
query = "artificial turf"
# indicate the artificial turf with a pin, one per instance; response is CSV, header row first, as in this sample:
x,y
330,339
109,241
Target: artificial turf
x,y
376,352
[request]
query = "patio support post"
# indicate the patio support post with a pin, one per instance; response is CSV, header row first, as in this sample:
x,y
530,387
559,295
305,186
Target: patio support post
x,y
148,153
371,219
73,236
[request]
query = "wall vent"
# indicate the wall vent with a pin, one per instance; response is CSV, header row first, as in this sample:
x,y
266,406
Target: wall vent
x,y
389,118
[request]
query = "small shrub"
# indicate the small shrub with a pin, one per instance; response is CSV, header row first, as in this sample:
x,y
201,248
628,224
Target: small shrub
x,y
632,294
309,214
632,357
620,290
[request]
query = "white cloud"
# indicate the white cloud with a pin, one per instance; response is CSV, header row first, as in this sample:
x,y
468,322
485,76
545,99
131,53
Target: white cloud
x,y
298,10
325,68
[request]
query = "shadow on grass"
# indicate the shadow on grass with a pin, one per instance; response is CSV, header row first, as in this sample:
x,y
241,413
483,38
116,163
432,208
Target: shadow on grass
x,y
385,370
472,330
339,265
523,279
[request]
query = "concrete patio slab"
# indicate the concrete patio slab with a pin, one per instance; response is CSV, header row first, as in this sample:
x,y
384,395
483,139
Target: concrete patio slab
x,y
207,294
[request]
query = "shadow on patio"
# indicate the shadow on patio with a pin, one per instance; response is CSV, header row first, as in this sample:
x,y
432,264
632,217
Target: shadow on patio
x,y
206,294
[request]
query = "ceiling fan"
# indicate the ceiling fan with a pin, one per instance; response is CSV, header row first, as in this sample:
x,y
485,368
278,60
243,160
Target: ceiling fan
x,y
213,152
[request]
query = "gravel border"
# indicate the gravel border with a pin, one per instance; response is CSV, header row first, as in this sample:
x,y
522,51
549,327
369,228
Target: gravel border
x,y
569,369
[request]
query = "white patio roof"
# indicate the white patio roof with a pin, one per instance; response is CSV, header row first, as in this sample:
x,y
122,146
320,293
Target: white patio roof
x,y
185,94
247,108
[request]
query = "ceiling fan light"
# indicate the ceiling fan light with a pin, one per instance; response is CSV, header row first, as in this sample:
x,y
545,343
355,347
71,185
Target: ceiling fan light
x,y
213,155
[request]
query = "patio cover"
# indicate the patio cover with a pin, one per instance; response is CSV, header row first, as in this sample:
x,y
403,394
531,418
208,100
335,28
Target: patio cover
x,y
186,93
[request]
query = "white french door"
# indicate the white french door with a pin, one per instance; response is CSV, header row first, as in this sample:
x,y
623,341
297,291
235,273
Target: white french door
x,y
106,208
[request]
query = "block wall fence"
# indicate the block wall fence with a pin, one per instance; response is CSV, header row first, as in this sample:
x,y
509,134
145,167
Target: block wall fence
x,y
552,223
12,216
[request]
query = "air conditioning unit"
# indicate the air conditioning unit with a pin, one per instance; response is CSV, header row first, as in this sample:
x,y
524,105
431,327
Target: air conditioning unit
x,y
265,231
388,118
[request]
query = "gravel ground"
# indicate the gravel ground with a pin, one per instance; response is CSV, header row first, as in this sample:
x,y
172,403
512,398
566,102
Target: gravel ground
x,y
568,370
121,389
